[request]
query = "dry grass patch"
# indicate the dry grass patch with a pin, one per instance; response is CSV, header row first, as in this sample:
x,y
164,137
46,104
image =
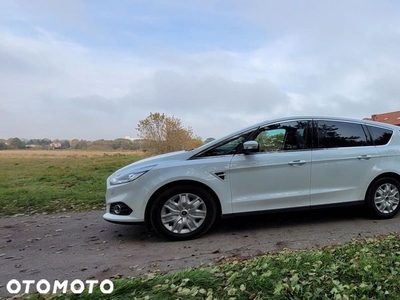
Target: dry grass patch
x,y
31,153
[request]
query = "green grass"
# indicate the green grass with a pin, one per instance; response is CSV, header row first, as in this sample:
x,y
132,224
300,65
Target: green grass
x,y
55,184
367,269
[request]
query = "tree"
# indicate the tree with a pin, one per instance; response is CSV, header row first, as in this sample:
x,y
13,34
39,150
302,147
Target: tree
x,y
162,134
3,145
40,142
65,144
82,144
16,143
124,144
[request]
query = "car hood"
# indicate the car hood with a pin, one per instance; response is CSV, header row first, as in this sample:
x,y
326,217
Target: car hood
x,y
155,160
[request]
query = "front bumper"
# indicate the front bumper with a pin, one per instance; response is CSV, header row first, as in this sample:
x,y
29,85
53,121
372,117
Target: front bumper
x,y
129,195
122,219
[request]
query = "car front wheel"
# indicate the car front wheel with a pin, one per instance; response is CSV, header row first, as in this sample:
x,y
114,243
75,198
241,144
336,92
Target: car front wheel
x,y
183,212
383,198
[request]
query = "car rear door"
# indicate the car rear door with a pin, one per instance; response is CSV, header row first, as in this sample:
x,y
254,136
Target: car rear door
x,y
343,161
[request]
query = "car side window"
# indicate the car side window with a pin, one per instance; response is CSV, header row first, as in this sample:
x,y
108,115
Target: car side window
x,y
335,134
380,136
284,136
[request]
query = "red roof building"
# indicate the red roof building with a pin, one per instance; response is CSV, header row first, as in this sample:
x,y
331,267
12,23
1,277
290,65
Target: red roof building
x,y
391,118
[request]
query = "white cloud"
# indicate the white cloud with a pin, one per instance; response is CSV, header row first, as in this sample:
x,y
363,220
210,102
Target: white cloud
x,y
310,58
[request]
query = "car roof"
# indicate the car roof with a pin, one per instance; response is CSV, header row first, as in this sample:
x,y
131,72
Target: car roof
x,y
294,118
352,120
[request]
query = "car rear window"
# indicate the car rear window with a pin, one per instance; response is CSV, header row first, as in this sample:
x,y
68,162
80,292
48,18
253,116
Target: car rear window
x,y
380,136
335,134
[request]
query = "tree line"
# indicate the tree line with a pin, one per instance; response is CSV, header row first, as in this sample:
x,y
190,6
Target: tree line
x,y
47,144
158,133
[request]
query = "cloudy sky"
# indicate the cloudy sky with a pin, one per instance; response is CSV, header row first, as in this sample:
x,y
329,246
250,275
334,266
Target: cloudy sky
x,y
92,69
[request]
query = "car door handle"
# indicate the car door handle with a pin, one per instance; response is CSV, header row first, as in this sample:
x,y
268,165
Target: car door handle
x,y
364,157
297,162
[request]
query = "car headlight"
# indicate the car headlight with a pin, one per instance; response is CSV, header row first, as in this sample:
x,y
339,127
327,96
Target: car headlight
x,y
128,175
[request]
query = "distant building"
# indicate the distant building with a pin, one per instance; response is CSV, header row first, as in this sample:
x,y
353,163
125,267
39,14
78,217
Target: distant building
x,y
131,138
390,118
55,145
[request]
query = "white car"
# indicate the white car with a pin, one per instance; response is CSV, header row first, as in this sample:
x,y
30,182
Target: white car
x,y
282,164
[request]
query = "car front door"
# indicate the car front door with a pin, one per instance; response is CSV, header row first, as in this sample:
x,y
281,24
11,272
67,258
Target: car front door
x,y
343,162
277,175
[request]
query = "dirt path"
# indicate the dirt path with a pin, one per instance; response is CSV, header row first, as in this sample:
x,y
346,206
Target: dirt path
x,y
84,246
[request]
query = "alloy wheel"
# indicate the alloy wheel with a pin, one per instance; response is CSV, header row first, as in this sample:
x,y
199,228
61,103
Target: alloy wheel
x,y
386,198
183,213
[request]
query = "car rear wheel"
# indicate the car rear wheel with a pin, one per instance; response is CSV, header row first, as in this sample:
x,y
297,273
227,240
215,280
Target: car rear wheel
x,y
383,198
183,212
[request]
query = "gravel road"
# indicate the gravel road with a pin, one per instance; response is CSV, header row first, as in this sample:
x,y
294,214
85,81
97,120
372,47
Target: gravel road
x,y
83,246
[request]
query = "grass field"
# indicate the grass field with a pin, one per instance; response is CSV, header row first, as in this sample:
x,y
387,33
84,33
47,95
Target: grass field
x,y
46,181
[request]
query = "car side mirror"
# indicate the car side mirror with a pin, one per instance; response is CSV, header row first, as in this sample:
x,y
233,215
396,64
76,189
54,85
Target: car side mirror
x,y
251,147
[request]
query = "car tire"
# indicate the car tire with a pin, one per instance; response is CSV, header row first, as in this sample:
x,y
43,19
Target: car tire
x,y
183,212
383,198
